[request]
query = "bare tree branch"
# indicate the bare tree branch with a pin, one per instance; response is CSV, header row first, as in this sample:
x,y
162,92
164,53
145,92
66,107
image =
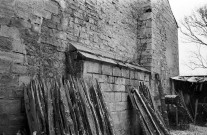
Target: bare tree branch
x,y
194,29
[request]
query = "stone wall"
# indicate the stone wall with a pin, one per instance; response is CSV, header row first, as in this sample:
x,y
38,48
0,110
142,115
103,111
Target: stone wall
x,y
164,43
159,43
35,34
114,81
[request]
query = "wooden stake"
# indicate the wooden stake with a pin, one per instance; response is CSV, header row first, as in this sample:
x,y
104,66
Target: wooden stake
x,y
196,107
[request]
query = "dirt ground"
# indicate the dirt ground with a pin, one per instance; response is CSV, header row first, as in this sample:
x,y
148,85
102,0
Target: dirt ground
x,y
193,130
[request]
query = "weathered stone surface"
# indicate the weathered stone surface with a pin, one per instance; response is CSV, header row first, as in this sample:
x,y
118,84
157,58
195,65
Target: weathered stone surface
x,y
124,97
18,69
106,87
51,7
141,76
5,66
117,71
10,106
119,87
117,97
125,73
109,96
107,69
34,36
5,44
112,107
120,106
4,21
92,67
119,80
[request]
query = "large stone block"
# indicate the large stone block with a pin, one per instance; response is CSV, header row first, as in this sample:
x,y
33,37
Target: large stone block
x,y
107,69
147,77
19,69
132,74
106,87
141,76
117,96
8,80
120,106
119,87
24,80
15,93
92,67
3,93
18,46
124,96
51,7
109,97
4,21
5,66
5,44
125,72
12,119
115,118
111,107
136,75
119,80
10,106
117,71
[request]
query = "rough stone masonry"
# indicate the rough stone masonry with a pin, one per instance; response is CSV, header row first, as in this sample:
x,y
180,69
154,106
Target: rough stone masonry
x,y
36,35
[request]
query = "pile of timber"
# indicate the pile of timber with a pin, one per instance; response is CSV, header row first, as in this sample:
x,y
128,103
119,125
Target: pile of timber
x,y
66,107
150,120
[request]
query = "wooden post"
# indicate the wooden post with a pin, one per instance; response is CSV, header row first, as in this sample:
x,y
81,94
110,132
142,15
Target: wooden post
x,y
176,116
162,100
196,107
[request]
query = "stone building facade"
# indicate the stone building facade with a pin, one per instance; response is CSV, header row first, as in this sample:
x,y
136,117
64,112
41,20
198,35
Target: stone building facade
x,y
111,40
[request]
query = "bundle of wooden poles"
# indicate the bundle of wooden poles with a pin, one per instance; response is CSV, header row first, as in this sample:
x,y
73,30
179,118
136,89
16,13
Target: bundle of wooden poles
x,y
69,106
150,120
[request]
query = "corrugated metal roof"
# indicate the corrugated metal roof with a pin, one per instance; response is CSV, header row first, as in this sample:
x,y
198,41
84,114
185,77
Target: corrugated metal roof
x,y
190,78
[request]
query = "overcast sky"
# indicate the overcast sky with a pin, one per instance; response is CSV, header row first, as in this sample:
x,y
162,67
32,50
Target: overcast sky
x,y
182,8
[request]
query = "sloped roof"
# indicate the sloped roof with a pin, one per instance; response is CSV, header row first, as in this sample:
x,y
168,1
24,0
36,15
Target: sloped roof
x,y
103,56
193,79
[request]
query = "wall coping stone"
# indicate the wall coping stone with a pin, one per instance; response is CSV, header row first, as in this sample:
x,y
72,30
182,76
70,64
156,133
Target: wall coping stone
x,y
88,56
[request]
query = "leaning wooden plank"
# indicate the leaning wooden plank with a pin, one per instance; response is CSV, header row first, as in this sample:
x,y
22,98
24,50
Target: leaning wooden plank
x,y
184,105
74,127
50,115
149,96
92,106
78,117
156,117
28,109
88,111
82,109
100,108
106,113
35,107
65,110
148,113
59,111
142,123
55,108
40,106
144,115
75,100
44,98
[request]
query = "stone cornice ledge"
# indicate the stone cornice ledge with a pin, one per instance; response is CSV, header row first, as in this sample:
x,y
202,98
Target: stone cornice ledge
x,y
103,56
